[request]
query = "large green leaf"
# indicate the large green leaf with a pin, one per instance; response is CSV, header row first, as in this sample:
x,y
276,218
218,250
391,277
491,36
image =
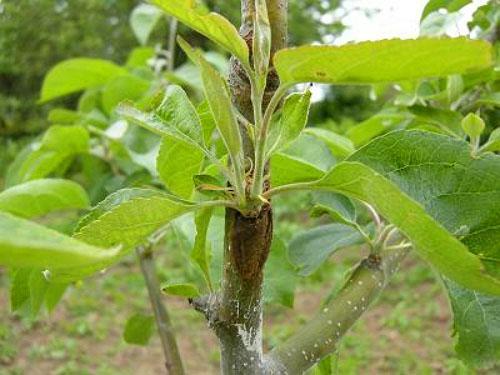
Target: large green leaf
x,y
177,163
78,74
40,197
212,25
27,244
128,218
431,188
309,249
381,61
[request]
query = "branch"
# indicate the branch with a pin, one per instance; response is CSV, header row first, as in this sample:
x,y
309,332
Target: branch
x,y
320,337
173,361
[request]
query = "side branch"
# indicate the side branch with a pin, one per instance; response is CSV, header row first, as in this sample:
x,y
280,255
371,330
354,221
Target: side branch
x,y
173,361
320,337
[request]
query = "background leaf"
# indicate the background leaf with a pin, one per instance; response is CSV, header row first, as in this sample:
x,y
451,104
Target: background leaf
x,y
76,75
381,61
143,20
40,197
139,329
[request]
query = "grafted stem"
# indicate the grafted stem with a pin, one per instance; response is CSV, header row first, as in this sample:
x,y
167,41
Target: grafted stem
x,y
321,335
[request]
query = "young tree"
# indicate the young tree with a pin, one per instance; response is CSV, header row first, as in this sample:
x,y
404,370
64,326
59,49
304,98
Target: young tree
x,y
433,193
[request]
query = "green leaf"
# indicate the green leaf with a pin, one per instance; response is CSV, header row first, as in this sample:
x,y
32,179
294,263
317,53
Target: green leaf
x,y
201,253
182,290
177,163
130,216
177,111
493,143
124,87
40,197
38,287
381,61
338,207
19,288
58,145
477,324
376,125
279,276
445,120
261,40
219,100
430,187
309,249
338,145
139,329
143,20
473,125
212,25
291,123
26,244
287,169
76,75
449,5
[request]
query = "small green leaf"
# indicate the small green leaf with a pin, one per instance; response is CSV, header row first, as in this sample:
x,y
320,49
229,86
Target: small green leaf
x,y
493,143
219,100
309,249
58,145
291,123
38,287
76,75
449,5
338,207
177,111
382,61
143,20
182,290
473,125
279,276
201,253
212,25
378,124
287,169
40,197
26,244
19,288
124,87
177,163
139,329
261,40
454,87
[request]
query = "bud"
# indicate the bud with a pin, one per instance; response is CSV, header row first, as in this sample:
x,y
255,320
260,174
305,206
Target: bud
x,y
473,125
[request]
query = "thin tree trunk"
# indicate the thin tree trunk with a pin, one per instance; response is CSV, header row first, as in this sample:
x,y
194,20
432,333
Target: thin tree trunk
x,y
173,361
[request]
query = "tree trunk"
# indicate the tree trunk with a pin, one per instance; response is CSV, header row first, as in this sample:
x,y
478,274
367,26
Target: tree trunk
x,y
247,239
